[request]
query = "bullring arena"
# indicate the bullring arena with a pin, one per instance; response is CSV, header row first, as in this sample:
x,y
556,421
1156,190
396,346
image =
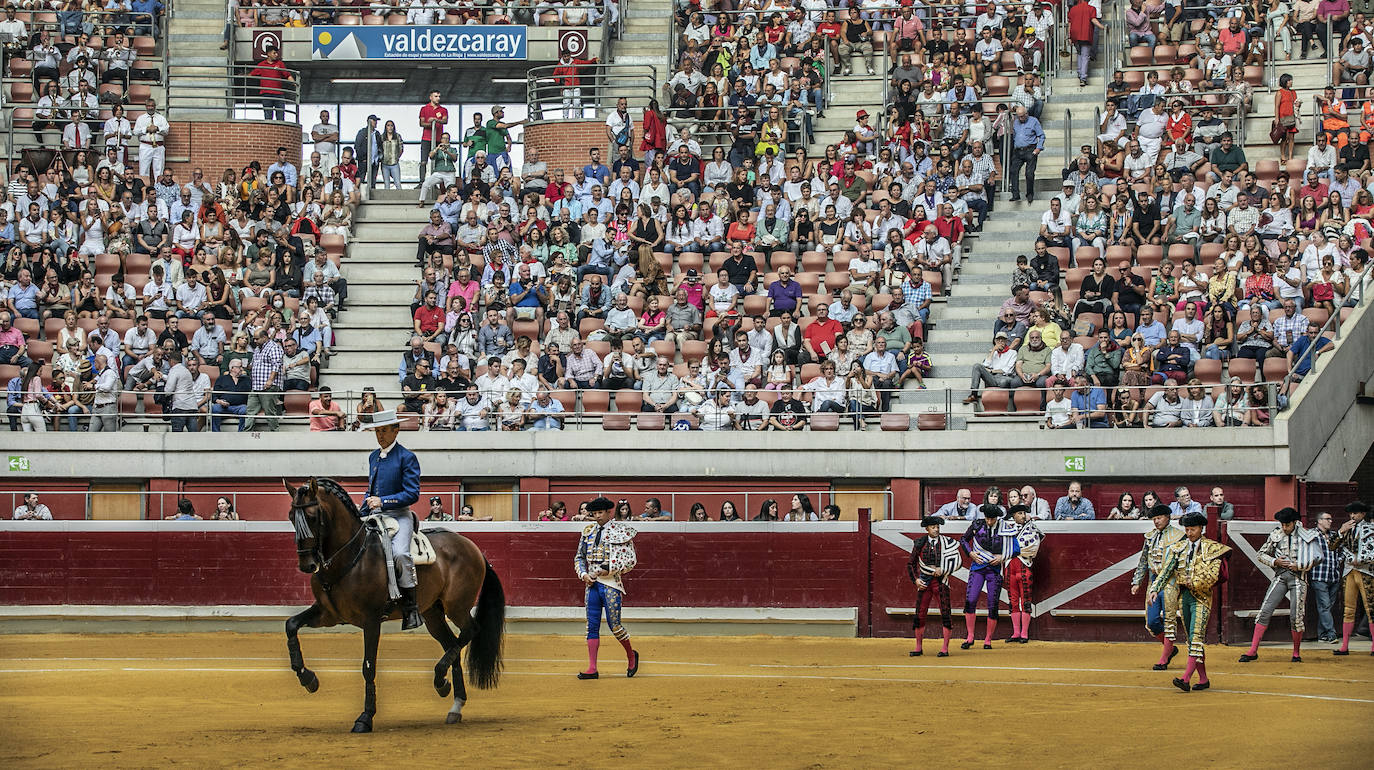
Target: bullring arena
x,y
724,351
778,675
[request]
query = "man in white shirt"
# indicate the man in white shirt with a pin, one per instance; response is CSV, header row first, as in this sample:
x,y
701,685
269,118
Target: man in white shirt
x,y
934,253
881,365
190,296
189,389
473,410
1138,164
151,130
158,294
105,407
1056,224
1150,128
1066,360
1321,157
326,137
1190,329
997,370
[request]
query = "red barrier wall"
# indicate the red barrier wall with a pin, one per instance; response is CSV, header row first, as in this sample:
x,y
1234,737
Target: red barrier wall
x,y
1082,567
813,567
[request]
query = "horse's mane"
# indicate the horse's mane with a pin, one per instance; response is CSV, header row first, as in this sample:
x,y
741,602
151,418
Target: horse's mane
x,y
336,490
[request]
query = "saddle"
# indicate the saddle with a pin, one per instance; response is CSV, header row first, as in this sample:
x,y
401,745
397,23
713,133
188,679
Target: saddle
x,y
421,550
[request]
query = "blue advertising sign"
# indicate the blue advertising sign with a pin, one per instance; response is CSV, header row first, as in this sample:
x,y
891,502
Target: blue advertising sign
x,y
434,43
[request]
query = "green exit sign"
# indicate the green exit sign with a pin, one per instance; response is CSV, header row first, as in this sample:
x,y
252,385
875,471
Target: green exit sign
x,y
1075,464
19,464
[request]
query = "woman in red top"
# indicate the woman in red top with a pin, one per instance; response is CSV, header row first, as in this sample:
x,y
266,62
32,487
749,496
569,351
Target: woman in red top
x,y
741,230
1286,106
1179,123
655,139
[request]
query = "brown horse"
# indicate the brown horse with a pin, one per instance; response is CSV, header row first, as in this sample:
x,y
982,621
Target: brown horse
x,y
347,565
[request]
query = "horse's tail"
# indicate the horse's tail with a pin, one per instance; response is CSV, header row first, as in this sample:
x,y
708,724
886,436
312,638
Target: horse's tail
x,y
484,653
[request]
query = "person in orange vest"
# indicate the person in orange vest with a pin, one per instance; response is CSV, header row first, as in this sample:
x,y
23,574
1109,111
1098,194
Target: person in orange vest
x,y
1335,122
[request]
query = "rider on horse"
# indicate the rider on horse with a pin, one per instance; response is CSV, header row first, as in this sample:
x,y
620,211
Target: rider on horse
x,y
393,485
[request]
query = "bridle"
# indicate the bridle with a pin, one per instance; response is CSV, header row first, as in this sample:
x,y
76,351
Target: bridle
x,y
307,543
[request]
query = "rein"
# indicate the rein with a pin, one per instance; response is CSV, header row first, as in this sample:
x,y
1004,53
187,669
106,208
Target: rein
x,y
327,563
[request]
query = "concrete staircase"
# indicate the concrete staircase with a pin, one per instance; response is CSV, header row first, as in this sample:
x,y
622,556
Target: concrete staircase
x,y
372,332
197,70
644,40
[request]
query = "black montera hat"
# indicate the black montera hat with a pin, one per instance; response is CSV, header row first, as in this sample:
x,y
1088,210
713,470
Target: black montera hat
x,y
1194,520
600,504
933,521
1285,515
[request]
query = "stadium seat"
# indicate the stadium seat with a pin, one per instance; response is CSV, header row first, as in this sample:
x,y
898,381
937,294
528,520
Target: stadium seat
x,y
1275,369
895,421
615,421
995,402
931,421
1027,401
595,403
626,400
650,421
1207,370
1244,368
825,421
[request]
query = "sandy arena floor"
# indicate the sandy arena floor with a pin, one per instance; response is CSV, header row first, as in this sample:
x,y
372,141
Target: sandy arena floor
x,y
230,699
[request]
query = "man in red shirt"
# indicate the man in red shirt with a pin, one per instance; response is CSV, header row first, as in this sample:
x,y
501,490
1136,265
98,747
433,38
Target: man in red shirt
x,y
566,76
272,78
1082,20
818,339
429,318
951,228
433,118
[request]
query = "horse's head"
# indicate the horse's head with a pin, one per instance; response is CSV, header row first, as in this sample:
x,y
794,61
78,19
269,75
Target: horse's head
x,y
307,517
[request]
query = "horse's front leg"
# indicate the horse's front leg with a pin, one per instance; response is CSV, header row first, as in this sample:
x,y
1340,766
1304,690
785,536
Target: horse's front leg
x,y
372,634
310,617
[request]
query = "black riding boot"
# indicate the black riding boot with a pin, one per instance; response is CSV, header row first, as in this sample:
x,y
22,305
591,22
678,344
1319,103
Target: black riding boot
x,y
410,613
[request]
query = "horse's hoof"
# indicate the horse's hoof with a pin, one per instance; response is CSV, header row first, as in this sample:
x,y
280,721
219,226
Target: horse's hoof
x,y
309,681
363,725
453,719
443,688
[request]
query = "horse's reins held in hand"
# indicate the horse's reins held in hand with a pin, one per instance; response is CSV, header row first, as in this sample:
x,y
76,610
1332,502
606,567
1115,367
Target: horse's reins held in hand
x,y
303,531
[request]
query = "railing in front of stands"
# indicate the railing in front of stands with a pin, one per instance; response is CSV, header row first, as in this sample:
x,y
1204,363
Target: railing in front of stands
x,y
590,408
1333,326
157,505
277,95
251,16
549,99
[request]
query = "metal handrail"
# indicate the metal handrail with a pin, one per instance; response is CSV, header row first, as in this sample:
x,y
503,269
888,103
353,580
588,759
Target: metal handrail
x,y
241,93
599,86
580,416
527,506
362,12
1332,325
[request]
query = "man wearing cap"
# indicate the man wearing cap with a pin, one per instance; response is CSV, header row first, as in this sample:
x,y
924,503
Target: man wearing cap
x,y
1021,541
367,148
934,557
605,552
498,138
1161,610
997,370
1028,139
1194,563
1356,540
984,546
393,485
1290,551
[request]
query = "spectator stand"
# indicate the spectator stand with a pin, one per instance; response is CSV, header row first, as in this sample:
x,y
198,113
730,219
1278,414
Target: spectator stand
x,y
25,78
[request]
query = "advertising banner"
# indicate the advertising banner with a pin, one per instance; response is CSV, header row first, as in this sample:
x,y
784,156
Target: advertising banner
x,y
503,42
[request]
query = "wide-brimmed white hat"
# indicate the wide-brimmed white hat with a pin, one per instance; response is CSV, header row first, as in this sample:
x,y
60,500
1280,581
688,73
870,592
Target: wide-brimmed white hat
x,y
380,419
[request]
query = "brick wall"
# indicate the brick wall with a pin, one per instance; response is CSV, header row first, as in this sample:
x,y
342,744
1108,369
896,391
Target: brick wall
x,y
564,143
217,145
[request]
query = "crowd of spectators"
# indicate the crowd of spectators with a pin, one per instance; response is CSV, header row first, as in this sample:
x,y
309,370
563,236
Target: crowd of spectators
x,y
290,13
1173,271
124,288
1073,505
800,509
707,264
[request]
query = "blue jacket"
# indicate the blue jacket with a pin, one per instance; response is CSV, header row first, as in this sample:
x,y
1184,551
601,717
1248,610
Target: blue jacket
x,y
395,479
